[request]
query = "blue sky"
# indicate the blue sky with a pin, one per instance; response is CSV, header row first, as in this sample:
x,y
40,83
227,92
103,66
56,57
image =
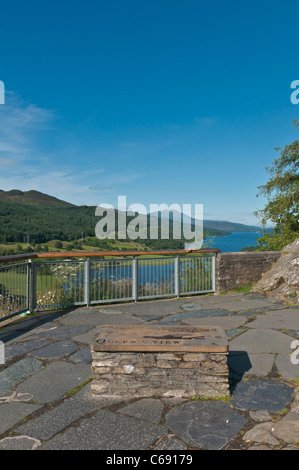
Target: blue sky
x,y
161,101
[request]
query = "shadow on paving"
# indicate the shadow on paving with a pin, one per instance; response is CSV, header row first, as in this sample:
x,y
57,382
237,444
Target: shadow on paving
x,y
18,326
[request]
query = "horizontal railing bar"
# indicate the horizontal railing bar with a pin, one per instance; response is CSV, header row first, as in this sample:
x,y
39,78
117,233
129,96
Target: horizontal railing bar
x,y
105,301
208,291
3,268
87,254
94,260
119,253
20,257
10,315
155,296
63,261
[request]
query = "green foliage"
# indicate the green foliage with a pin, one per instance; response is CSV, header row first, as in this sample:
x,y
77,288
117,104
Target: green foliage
x,y
41,224
276,240
282,192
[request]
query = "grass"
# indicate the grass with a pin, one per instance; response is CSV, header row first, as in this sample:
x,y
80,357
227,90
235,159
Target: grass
x,y
73,392
225,398
112,245
17,283
238,290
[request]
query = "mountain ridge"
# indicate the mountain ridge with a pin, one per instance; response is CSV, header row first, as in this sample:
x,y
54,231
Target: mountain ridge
x,y
31,197
37,198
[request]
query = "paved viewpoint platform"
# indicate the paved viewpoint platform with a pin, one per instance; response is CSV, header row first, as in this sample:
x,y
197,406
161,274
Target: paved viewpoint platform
x,y
45,382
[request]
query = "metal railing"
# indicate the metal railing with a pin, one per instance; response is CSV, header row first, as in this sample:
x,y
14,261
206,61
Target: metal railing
x,y
14,289
51,284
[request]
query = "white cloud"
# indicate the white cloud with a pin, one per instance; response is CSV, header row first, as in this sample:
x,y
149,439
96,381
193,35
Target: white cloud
x,y
24,162
33,155
19,124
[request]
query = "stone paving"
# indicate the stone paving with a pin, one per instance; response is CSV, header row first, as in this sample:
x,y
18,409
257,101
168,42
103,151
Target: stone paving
x,y
46,401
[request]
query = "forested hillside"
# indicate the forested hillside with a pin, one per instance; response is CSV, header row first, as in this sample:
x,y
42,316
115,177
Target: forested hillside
x,y
26,222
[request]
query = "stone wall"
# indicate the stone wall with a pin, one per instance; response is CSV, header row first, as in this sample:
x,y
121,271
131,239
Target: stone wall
x,y
121,374
242,269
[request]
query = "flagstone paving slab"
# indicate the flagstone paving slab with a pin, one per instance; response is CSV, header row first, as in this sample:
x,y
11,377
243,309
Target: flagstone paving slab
x,y
54,381
150,307
13,413
83,356
56,350
16,349
87,338
108,431
261,364
27,325
287,429
95,318
147,408
261,341
234,332
240,304
286,368
193,314
236,302
45,426
253,364
14,373
190,306
208,424
227,322
279,319
63,332
261,395
261,433
260,416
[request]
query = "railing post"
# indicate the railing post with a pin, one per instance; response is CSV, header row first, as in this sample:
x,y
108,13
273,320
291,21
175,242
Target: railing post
x,y
214,272
31,286
135,279
177,276
87,282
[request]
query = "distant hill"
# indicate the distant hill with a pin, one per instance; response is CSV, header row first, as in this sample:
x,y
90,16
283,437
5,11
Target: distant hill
x,y
230,226
31,197
213,225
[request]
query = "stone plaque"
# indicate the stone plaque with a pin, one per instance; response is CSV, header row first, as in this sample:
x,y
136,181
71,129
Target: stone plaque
x,y
161,338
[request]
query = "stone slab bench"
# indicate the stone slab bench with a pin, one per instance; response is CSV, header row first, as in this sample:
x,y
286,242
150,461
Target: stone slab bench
x,y
165,361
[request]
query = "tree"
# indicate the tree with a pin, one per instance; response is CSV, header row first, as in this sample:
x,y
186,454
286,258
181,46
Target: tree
x,y
282,192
